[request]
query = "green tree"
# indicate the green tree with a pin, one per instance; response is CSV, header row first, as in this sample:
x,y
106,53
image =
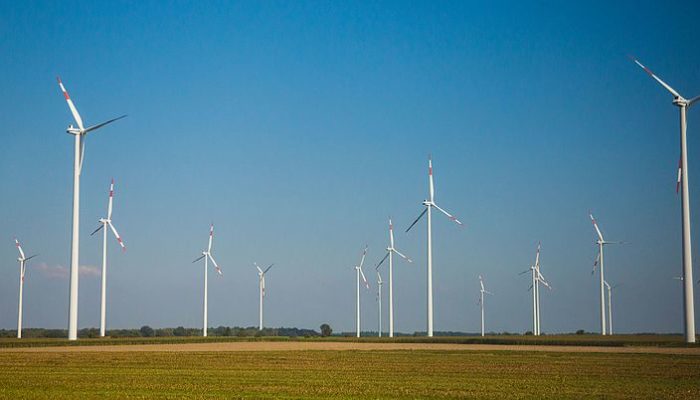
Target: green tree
x,y
326,330
147,331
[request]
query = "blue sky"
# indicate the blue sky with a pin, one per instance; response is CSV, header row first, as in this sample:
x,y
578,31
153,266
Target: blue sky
x,y
299,127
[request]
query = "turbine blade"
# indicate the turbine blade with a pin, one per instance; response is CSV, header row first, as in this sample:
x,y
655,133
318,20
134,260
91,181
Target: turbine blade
x,y
268,268
391,233
525,272
362,260
417,219
680,169
19,247
648,71
450,216
198,258
595,263
216,266
430,178
487,292
111,197
364,279
98,126
30,257
595,225
537,255
481,282
98,229
73,110
382,262
403,256
211,237
119,239
693,100
259,270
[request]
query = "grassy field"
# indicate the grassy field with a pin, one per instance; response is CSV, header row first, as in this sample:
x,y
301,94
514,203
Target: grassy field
x,y
349,375
573,340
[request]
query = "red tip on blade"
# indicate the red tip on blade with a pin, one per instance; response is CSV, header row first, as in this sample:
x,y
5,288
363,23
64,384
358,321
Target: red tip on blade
x,y
58,78
65,94
430,170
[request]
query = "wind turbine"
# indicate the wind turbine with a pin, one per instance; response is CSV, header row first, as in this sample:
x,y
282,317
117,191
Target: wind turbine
x,y
689,308
206,255
261,284
610,320
390,255
429,204
104,222
537,278
599,260
380,282
79,149
358,270
481,302
22,269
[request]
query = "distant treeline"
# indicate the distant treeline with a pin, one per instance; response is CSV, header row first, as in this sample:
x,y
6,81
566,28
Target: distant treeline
x,y
147,331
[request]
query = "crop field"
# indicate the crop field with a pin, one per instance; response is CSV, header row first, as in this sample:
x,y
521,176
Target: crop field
x,y
107,372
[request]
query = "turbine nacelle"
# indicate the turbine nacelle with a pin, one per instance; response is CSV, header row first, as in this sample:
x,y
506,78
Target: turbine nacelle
x,y
73,130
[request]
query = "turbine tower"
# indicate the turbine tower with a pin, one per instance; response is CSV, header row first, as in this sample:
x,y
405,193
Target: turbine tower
x,y
600,260
22,270
358,270
610,319
481,302
380,282
429,205
79,133
390,255
689,307
206,255
104,222
261,284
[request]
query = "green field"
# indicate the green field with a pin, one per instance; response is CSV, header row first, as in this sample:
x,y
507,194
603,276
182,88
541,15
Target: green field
x,y
571,340
348,374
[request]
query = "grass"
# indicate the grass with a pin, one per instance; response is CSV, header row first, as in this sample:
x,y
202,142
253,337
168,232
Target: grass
x,y
349,375
573,340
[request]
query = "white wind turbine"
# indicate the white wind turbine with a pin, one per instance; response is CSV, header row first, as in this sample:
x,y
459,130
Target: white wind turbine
x,y
380,282
358,270
599,260
390,255
79,149
482,291
429,204
688,305
104,222
610,320
261,284
206,255
22,270
537,278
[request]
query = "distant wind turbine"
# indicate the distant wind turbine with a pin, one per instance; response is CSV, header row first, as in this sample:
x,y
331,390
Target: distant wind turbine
x,y
390,255
358,270
104,222
22,270
610,319
79,149
537,278
261,284
481,302
683,104
380,282
429,205
206,255
599,260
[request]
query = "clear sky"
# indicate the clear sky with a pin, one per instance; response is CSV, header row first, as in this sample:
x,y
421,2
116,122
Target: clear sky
x,y
297,128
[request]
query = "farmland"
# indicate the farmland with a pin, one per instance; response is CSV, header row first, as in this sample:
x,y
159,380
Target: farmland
x,y
212,370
